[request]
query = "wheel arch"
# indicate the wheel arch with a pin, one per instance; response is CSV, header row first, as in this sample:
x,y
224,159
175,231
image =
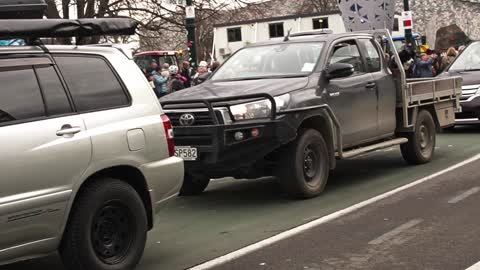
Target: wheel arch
x,y
322,124
431,109
125,173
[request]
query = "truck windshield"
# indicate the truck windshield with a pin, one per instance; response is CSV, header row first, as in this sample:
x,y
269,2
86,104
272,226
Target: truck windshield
x,y
270,61
469,60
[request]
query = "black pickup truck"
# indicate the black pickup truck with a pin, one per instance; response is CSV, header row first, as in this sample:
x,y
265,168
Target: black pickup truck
x,y
291,108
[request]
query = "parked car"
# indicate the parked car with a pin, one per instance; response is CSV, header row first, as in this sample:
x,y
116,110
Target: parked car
x,y
86,151
291,108
467,65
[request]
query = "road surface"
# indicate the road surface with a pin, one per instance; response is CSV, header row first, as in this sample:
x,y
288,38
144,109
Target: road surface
x,y
234,214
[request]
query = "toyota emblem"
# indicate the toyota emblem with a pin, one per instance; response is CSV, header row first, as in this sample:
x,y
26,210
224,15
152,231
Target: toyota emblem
x,y
187,119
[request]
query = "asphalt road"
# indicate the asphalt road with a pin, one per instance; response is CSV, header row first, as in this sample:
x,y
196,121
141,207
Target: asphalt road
x,y
434,225
234,214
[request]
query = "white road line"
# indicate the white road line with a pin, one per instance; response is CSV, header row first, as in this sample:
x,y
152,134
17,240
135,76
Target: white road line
x,y
474,267
464,195
391,234
297,230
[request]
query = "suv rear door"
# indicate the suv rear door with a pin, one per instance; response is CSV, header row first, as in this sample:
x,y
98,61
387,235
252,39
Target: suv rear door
x,y
353,99
44,150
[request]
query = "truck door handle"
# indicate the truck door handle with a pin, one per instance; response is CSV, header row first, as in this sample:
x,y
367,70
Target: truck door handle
x,y
371,85
68,130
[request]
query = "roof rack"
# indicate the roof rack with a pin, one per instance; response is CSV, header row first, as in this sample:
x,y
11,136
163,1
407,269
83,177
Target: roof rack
x,y
48,28
313,33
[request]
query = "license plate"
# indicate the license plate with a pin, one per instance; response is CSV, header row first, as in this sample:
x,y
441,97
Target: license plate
x,y
186,152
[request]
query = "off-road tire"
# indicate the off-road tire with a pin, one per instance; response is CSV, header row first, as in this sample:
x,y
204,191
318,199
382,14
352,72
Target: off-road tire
x,y
110,210
304,165
421,143
194,185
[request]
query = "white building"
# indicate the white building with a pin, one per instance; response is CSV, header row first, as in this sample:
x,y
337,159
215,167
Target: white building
x,y
229,37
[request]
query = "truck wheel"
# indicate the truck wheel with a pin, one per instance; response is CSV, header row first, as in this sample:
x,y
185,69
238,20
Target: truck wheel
x,y
194,185
305,165
107,228
421,144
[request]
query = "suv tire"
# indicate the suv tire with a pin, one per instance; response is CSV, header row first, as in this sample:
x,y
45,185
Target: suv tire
x,y
421,143
194,185
107,228
305,165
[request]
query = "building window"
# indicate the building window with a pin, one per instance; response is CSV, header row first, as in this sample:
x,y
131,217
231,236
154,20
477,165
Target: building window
x,y
276,30
234,34
396,28
320,23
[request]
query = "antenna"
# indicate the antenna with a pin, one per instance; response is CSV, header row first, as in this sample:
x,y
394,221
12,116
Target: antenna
x,y
287,38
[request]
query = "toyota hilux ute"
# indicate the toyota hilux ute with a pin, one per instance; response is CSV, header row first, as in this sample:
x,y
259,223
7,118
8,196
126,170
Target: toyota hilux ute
x,y
291,108
467,65
86,151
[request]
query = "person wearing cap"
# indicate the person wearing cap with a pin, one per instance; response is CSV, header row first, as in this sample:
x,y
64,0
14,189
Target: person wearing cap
x,y
202,73
174,83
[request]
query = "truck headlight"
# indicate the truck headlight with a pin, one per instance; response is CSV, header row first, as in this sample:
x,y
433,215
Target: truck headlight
x,y
259,109
252,110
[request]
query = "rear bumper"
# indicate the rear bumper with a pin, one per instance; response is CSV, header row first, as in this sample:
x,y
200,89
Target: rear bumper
x,y
470,108
219,154
164,179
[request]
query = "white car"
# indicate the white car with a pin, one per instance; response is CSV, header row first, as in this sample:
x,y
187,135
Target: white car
x,y
86,156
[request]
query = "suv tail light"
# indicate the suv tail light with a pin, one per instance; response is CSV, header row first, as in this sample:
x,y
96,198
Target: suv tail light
x,y
167,125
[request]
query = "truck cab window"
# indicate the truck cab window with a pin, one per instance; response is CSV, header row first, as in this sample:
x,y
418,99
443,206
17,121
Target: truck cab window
x,y
347,52
372,56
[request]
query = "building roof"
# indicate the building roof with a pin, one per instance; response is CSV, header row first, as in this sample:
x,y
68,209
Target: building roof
x,y
274,10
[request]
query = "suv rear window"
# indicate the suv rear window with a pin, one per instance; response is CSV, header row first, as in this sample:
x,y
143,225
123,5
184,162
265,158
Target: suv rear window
x,y
55,97
20,96
92,83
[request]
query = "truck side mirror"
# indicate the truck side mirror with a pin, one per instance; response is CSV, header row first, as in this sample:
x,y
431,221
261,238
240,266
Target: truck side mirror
x,y
339,70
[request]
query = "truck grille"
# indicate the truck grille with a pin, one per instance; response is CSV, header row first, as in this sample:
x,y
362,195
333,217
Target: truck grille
x,y
202,118
469,91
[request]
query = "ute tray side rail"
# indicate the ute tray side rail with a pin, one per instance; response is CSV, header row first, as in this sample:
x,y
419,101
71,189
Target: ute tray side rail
x,y
413,93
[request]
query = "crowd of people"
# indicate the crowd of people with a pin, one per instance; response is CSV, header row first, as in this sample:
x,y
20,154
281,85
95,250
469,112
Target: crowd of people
x,y
427,64
166,79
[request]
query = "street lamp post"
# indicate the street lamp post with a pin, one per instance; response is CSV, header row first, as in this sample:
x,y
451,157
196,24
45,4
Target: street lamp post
x,y
190,23
408,31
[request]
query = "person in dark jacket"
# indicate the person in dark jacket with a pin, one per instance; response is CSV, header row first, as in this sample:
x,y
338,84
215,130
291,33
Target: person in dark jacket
x,y
187,74
424,67
174,83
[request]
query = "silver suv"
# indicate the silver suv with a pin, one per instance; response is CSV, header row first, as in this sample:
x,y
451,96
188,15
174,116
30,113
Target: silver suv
x,y
86,156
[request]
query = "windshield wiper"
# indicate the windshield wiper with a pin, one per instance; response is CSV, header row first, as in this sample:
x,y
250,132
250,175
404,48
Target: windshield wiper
x,y
268,77
472,69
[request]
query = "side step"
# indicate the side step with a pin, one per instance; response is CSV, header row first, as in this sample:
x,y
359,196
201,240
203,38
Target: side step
x,y
373,147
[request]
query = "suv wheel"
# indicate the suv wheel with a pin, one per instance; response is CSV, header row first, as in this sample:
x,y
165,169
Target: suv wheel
x,y
194,185
421,144
305,165
107,228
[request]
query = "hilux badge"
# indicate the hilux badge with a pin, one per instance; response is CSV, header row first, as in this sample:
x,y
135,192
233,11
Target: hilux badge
x,y
187,119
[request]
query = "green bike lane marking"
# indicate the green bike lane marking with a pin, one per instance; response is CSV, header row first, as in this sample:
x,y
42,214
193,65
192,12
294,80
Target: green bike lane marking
x,y
233,214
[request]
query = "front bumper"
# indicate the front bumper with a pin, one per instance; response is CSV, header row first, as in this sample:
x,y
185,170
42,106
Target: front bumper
x,y
470,108
164,179
219,153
